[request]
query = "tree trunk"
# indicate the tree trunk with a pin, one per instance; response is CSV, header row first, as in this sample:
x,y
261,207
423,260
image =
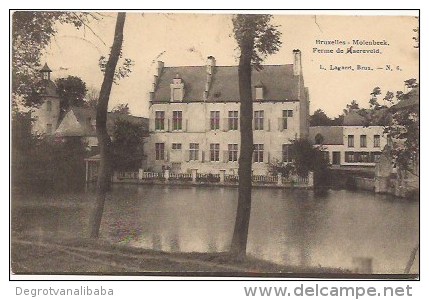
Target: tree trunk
x,y
239,239
104,172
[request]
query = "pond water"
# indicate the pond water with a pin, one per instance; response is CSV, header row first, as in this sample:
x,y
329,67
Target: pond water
x,y
292,227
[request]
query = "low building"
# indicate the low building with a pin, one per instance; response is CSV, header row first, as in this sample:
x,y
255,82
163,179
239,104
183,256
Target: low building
x,y
80,122
194,118
352,144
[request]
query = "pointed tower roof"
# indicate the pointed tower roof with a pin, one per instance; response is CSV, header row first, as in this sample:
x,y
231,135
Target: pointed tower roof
x,y
45,68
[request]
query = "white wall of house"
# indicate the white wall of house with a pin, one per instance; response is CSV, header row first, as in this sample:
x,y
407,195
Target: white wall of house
x,y
360,131
196,129
46,116
371,147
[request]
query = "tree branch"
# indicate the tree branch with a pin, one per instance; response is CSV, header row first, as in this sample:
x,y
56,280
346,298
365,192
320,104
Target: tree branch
x,y
89,27
315,21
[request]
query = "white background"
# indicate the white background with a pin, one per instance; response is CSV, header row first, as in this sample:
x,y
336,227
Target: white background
x,y
191,289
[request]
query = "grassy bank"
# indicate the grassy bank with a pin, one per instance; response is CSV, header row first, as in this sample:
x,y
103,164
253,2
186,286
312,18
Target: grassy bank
x,y
89,257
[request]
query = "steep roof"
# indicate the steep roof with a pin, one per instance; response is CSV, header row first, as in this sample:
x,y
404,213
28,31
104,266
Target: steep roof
x,y
85,118
332,135
353,118
45,68
278,81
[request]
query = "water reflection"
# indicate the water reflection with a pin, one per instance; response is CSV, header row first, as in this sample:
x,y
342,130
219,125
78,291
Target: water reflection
x,y
293,227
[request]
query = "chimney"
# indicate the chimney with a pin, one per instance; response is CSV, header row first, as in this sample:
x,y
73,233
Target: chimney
x,y
160,67
154,83
297,66
211,63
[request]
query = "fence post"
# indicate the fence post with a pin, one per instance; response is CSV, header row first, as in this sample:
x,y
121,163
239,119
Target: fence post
x,y
115,176
310,179
166,174
140,174
222,176
86,171
279,179
194,175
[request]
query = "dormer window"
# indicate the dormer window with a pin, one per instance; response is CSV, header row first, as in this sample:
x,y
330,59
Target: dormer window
x,y
259,91
177,89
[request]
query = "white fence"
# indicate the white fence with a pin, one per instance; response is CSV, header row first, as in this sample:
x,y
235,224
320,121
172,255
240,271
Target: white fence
x,y
222,178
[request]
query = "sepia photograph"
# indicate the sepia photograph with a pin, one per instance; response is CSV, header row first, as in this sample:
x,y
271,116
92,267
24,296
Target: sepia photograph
x,y
250,144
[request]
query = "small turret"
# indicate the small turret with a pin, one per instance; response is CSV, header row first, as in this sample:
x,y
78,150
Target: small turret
x,y
46,72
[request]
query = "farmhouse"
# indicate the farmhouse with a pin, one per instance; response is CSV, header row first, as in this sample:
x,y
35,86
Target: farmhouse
x,y
194,116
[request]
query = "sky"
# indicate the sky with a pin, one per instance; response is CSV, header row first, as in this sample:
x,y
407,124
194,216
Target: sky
x,y
181,39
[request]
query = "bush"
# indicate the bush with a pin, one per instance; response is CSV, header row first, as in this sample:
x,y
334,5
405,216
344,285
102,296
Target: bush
x,y
306,158
277,167
50,163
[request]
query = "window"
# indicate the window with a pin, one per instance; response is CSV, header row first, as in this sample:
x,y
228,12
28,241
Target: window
x,y
159,151
177,89
376,156
350,157
214,120
351,141
259,93
232,152
259,120
159,120
364,157
193,151
363,141
318,139
258,152
49,128
176,146
286,114
177,120
177,94
214,152
287,153
49,105
376,141
233,120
